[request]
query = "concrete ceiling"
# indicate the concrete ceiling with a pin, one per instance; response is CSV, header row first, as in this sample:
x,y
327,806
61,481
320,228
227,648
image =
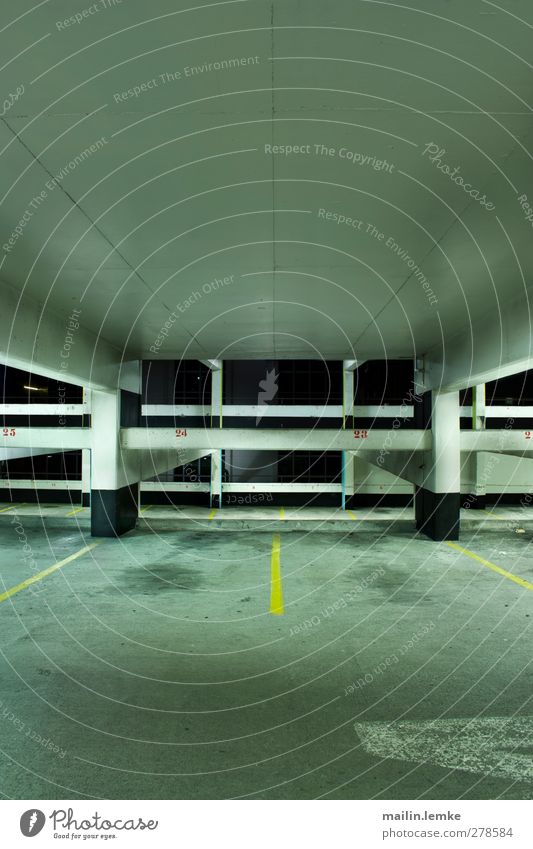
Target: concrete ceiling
x,y
182,191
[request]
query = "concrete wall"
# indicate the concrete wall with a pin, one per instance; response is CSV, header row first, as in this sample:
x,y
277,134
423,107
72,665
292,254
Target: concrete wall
x,y
499,472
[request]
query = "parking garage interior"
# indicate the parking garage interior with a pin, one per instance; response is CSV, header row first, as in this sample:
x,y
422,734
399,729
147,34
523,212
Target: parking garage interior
x,y
266,470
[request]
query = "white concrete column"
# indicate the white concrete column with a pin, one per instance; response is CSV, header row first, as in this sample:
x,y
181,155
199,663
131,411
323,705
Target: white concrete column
x,y
438,499
105,424
348,477
215,496
445,472
115,473
216,394
216,479
347,392
85,477
480,458
347,459
478,407
419,376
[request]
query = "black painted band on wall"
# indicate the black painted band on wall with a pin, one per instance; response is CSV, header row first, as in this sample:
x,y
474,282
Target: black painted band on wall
x,y
437,513
114,511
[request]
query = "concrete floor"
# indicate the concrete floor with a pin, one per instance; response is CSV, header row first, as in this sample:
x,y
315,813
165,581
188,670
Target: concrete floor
x,y
268,517
152,667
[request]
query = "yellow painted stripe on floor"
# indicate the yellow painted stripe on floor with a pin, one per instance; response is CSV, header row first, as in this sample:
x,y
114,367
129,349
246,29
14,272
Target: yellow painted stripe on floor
x,y
351,514
520,581
40,575
212,514
497,518
144,509
282,512
77,510
276,589
5,509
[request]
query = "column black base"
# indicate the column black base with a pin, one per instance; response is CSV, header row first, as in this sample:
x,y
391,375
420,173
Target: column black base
x,y
474,502
114,511
86,499
437,513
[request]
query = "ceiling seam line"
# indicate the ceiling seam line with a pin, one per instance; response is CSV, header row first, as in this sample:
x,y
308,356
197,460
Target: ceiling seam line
x,y
80,208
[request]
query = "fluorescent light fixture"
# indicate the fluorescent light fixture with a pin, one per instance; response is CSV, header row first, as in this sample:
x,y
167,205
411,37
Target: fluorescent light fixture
x,y
36,388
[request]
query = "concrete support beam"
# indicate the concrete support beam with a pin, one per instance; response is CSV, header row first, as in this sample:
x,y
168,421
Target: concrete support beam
x,y
215,496
286,439
54,484
478,496
498,345
352,365
268,487
60,410
202,441
173,486
348,477
437,500
130,376
406,465
86,477
115,472
216,397
183,457
47,438
34,339
478,407
502,441
419,377
347,460
302,411
7,454
215,492
347,397
155,463
286,411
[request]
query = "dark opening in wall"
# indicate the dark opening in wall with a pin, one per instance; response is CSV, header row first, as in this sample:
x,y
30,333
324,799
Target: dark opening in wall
x,y
59,466
515,390
192,384
384,382
22,387
310,467
197,471
175,382
310,381
62,465
283,381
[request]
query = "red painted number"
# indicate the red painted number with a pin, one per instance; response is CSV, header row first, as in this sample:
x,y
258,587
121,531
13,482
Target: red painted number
x,y
181,431
360,434
528,434
9,431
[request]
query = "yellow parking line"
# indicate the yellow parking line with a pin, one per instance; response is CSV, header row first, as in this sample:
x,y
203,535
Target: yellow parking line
x,y
497,518
5,509
77,510
276,589
520,581
351,514
40,575
212,514
282,512
144,509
